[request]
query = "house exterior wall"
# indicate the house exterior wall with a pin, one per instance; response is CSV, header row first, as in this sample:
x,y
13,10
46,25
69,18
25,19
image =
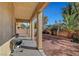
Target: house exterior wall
x,y
7,27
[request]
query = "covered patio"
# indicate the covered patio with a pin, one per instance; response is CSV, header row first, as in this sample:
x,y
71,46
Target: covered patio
x,y
31,13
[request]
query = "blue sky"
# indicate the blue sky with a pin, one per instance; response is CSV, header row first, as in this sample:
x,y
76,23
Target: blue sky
x,y
54,11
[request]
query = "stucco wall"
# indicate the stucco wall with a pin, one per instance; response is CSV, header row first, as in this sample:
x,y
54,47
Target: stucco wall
x,y
7,25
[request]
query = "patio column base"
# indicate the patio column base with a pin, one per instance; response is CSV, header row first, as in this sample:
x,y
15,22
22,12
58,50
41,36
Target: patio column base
x,y
42,52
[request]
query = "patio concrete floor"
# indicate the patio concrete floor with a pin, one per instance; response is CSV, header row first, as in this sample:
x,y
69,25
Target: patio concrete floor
x,y
28,47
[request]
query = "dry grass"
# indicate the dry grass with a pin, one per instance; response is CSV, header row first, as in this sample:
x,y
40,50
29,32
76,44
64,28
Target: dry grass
x,y
59,46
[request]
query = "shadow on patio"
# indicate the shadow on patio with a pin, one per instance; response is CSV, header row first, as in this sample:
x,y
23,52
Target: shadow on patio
x,y
28,47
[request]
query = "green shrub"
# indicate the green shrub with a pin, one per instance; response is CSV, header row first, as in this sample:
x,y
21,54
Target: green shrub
x,y
75,38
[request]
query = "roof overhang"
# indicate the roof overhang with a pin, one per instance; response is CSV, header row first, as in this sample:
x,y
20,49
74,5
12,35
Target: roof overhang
x,y
27,10
39,8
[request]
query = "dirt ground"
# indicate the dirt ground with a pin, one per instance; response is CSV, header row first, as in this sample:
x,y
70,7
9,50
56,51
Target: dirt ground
x,y
59,46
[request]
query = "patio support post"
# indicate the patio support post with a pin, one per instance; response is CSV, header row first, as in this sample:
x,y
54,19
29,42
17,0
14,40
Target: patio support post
x,y
32,29
39,30
30,23
27,30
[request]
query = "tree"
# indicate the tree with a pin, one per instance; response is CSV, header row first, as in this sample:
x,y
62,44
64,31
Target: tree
x,y
24,26
70,15
45,19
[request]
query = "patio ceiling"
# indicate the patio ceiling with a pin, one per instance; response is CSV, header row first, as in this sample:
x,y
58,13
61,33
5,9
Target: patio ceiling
x,y
26,10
